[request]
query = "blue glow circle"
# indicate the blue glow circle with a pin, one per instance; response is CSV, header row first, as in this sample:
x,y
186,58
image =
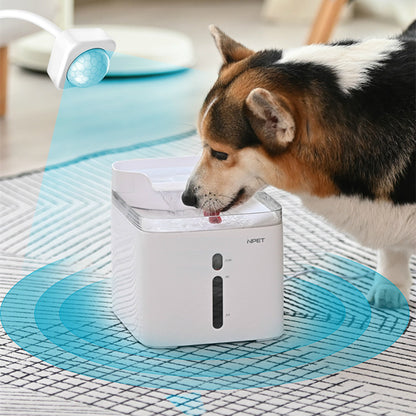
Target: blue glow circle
x,y
89,68
68,322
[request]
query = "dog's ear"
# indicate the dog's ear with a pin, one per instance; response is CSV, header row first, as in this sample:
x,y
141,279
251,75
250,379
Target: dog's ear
x,y
230,50
271,119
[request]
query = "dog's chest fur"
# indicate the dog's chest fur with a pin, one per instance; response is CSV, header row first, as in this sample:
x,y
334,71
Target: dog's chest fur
x,y
375,224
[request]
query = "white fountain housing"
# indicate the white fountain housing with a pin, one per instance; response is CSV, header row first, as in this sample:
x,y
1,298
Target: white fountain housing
x,y
179,279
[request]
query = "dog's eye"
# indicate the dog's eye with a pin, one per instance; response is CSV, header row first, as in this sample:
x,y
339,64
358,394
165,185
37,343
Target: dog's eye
x,y
219,155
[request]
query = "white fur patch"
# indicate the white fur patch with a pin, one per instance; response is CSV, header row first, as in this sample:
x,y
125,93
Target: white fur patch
x,y
207,109
375,224
380,225
351,63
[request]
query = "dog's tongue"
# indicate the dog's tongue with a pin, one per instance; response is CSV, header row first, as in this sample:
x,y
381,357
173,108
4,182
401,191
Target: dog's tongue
x,y
214,218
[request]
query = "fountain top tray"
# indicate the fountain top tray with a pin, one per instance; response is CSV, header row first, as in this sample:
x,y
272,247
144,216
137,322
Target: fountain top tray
x,y
148,191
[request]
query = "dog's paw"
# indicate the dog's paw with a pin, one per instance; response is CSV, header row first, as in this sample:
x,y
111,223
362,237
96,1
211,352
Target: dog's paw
x,y
386,295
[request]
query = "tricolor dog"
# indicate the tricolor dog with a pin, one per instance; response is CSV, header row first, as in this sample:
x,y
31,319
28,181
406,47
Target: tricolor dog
x,y
334,124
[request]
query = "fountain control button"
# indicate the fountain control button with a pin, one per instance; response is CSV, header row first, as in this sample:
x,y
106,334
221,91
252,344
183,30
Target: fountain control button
x,y
217,261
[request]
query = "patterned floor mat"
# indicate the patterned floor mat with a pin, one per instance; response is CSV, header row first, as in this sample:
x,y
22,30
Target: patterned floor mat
x,y
64,213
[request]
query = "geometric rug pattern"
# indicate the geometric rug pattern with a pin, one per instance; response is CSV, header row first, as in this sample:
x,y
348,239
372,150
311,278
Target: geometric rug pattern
x,y
38,230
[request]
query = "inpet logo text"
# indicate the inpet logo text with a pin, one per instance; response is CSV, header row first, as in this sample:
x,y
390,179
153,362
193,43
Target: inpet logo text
x,y
255,240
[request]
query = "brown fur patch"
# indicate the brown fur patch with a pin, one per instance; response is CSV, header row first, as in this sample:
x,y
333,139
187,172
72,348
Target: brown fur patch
x,y
297,177
231,71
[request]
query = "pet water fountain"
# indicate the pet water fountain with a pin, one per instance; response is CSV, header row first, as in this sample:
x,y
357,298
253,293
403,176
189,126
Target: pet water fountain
x,y
179,279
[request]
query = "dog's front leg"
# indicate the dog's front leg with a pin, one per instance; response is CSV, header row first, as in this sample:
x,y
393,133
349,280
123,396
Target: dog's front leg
x,y
393,264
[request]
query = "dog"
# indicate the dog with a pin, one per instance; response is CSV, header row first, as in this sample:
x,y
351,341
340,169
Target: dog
x,y
334,124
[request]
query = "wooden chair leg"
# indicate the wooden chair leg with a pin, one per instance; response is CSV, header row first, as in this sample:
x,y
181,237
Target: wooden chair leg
x,y
3,80
326,20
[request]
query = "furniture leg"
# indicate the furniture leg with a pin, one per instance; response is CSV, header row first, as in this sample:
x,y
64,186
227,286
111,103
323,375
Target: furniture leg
x,y
325,21
3,80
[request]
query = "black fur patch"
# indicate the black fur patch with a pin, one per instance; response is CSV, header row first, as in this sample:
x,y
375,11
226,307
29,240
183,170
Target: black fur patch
x,y
352,184
265,58
303,76
377,128
346,42
228,122
405,187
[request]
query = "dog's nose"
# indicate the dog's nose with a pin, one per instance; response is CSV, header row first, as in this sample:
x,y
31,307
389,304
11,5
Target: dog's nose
x,y
189,198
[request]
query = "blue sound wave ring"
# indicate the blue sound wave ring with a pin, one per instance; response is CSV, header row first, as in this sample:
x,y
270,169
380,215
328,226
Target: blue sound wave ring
x,y
89,68
329,326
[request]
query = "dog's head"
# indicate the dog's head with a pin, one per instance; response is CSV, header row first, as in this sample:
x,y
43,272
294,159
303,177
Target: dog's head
x,y
244,124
